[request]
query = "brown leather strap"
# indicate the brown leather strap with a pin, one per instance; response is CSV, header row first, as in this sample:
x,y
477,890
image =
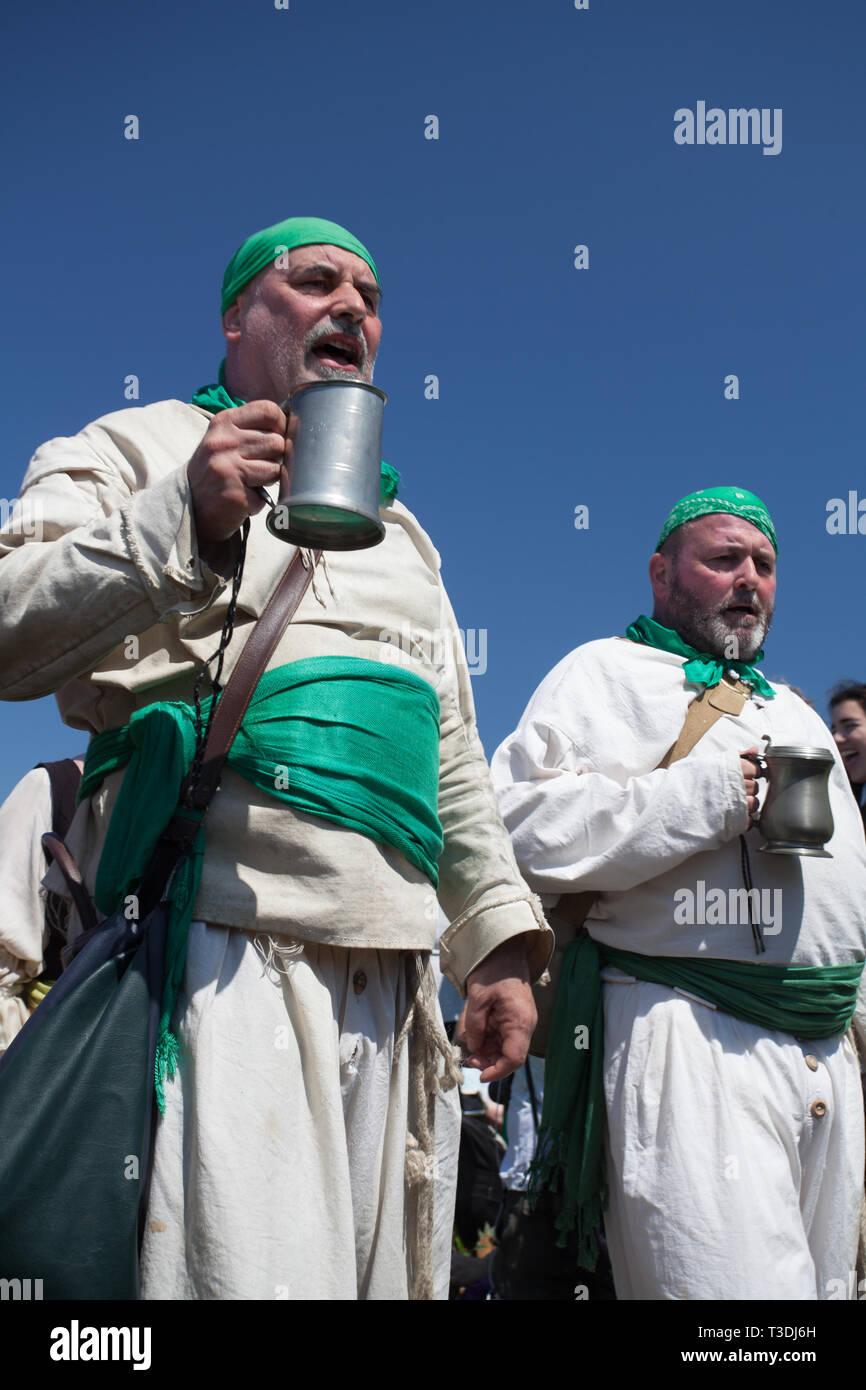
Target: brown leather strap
x,y
258,650
179,835
65,778
56,850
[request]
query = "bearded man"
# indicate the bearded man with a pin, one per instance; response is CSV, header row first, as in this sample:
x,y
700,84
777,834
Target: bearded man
x,y
734,1124
296,1118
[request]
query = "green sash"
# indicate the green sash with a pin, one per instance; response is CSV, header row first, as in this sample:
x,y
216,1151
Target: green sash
x,y
353,741
809,1001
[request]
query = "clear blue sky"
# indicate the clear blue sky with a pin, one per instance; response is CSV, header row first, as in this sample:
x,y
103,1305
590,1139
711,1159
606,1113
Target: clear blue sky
x,y
558,386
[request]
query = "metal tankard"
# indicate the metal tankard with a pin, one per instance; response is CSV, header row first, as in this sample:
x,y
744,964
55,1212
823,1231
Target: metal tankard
x,y
796,816
329,498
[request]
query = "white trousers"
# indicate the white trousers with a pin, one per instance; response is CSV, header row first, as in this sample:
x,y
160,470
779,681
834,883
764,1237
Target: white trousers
x,y
278,1168
735,1155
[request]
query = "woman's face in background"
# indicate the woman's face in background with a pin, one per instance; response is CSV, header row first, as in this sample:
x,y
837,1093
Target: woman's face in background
x,y
849,731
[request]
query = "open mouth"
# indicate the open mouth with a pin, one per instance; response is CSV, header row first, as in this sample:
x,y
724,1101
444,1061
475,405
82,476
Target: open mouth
x,y
338,351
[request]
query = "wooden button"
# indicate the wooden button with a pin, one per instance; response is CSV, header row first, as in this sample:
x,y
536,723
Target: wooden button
x,y
812,1062
818,1109
359,982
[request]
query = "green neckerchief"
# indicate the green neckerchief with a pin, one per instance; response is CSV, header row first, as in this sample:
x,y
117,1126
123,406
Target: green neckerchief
x,y
216,398
353,741
701,668
809,1001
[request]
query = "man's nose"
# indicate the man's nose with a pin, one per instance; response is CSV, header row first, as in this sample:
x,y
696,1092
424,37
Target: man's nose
x,y
747,575
838,738
348,302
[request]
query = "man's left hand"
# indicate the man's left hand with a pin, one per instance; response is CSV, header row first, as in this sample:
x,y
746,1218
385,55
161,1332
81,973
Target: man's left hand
x,y
497,1022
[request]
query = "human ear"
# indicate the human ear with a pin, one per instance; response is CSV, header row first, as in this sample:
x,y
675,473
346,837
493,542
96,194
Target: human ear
x,y
660,567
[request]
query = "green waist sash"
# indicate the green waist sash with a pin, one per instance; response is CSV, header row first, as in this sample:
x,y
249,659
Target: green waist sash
x,y
353,741
809,1001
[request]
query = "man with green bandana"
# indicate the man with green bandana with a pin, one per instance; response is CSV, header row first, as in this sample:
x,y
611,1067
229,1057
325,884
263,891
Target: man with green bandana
x,y
299,1047
698,1073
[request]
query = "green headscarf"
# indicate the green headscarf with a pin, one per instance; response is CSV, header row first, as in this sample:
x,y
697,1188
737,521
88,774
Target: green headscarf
x,y
262,248
735,500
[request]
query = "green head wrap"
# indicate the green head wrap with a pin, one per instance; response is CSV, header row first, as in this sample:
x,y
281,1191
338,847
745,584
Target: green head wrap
x,y
262,248
720,499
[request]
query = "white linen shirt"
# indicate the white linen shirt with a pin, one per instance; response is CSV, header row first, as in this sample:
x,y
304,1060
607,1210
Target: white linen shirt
x,y
588,809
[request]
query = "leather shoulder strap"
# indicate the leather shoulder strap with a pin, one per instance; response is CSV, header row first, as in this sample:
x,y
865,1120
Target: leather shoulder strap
x,y
251,664
56,850
181,830
65,779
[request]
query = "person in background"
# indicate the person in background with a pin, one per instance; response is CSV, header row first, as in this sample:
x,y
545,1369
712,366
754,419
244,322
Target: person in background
x,y
848,726
527,1262
33,921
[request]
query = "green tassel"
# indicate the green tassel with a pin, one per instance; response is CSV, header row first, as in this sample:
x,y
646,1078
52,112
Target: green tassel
x,y
167,1054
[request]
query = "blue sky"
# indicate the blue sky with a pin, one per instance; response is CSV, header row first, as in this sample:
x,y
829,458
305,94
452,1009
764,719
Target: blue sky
x,y
558,387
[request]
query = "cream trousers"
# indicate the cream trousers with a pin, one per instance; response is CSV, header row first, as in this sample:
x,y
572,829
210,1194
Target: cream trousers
x,y
735,1158
278,1166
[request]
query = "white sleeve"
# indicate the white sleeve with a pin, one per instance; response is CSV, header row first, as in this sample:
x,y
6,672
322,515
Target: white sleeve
x,y
574,828
480,886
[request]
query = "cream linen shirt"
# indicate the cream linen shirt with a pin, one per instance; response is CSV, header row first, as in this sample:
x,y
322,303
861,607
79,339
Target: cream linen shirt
x,y
110,605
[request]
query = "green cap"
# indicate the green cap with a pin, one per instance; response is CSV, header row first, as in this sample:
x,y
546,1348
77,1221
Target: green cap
x,y
262,249
735,500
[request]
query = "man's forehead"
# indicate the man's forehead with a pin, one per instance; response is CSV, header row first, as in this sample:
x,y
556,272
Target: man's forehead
x,y
335,256
723,528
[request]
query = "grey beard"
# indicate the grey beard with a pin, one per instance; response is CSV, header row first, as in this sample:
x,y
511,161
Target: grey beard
x,y
709,631
364,370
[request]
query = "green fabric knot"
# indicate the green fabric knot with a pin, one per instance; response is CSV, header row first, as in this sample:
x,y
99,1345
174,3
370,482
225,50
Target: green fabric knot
x,y
701,668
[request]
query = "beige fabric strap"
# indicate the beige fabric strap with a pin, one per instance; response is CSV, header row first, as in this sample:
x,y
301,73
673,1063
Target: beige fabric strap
x,y
702,714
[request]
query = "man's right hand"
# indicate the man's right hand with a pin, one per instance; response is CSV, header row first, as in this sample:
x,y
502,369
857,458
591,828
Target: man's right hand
x,y
751,772
243,449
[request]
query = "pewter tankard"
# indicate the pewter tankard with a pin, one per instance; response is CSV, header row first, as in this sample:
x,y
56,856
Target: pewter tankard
x,y
329,498
796,816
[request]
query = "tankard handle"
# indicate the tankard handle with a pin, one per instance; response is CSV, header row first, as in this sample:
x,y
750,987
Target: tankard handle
x,y
286,407
760,758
